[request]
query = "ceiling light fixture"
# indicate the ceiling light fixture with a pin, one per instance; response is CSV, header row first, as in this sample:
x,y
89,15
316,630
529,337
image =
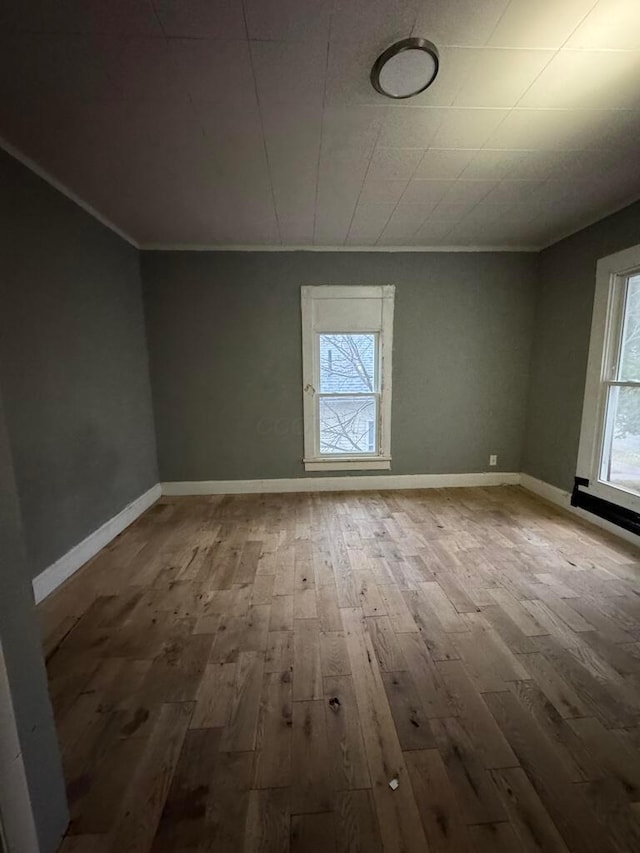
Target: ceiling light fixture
x,y
406,68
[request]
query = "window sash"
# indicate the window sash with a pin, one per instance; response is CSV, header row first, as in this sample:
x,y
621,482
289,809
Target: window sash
x,y
611,410
373,454
377,377
617,322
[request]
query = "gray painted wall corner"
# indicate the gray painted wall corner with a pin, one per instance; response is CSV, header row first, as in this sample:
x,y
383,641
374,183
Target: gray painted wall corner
x,y
74,366
567,273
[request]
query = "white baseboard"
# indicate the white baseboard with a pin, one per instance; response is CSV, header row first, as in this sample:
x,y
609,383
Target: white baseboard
x,y
563,499
339,484
51,578
545,490
58,572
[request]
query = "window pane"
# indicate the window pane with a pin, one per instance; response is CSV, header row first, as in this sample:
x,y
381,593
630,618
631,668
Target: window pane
x,y
621,461
347,364
348,425
630,350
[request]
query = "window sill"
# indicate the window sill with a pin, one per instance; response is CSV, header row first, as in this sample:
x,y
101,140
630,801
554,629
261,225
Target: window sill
x,y
617,495
379,463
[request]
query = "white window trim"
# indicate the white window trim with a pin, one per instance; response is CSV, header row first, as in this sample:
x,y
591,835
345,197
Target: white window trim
x,y
610,274
380,460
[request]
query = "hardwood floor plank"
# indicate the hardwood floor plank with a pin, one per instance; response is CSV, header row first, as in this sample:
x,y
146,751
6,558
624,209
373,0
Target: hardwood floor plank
x,y
397,813
262,589
314,787
371,601
248,563
494,838
184,816
95,809
486,736
328,610
214,698
611,754
568,809
279,654
307,664
529,818
273,739
612,810
514,609
410,720
487,659
557,690
552,598
356,825
445,612
431,689
349,768
313,833
268,821
304,603
143,802
437,803
397,610
385,643
554,624
474,788
506,628
608,703
281,613
334,653
569,749
239,734
177,671
437,641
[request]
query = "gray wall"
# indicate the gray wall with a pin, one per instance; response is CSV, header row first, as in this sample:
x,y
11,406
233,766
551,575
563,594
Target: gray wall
x,y
73,365
20,643
566,288
224,336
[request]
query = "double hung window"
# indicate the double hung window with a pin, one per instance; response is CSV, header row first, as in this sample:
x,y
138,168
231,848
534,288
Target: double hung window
x,y
347,340
609,455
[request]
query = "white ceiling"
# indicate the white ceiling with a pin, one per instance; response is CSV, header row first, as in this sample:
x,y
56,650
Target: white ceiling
x,y
223,122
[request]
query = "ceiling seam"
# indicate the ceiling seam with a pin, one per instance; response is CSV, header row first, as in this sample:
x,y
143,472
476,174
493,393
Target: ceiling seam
x,y
262,126
555,54
423,221
324,107
515,107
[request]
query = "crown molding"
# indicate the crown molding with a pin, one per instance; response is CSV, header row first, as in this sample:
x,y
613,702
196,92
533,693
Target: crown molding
x,y
195,247
212,247
61,188
34,167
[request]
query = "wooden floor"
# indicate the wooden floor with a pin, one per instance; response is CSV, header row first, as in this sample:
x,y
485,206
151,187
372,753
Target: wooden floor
x,y
250,673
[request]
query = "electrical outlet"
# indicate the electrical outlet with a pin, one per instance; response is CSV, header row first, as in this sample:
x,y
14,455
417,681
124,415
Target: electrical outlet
x,y
493,459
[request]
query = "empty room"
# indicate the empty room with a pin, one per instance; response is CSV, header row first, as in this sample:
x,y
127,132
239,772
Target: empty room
x,y
320,426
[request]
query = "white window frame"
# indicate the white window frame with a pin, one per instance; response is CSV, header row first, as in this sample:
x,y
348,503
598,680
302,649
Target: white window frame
x,y
608,309
336,309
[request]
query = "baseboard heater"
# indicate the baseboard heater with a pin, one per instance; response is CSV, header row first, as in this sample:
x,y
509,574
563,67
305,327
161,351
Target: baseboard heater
x,y
619,515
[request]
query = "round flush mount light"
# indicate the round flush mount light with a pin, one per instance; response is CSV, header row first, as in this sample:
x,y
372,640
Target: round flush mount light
x,y
406,68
